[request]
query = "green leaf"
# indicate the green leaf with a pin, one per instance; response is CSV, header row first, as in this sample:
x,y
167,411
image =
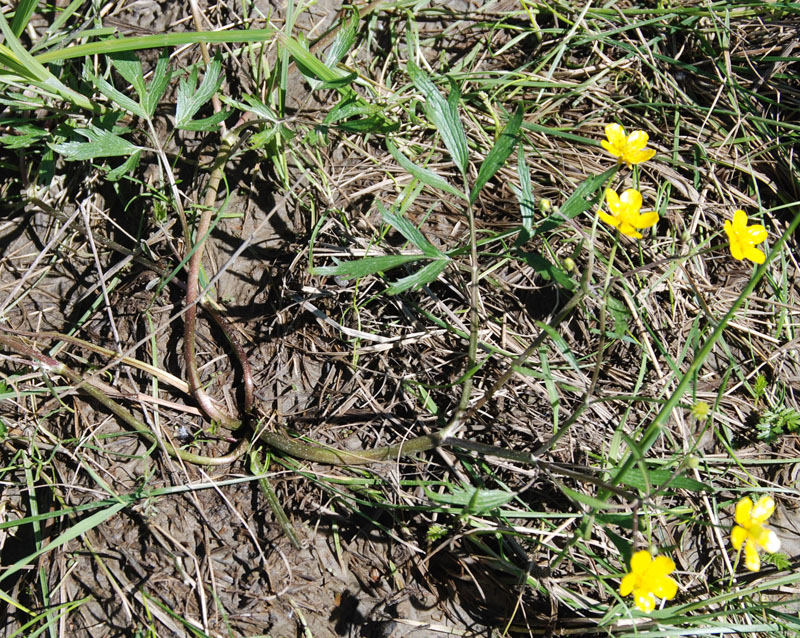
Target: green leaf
x,y
420,278
101,143
206,123
125,168
591,501
255,105
191,98
526,199
26,136
408,230
344,40
80,527
497,155
657,478
158,85
19,58
129,66
22,15
307,62
561,344
473,500
443,114
587,194
366,266
424,175
118,98
352,106
547,269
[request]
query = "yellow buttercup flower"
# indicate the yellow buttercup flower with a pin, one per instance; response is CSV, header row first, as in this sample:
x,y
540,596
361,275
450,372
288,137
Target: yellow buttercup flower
x,y
751,532
744,238
627,148
625,213
649,578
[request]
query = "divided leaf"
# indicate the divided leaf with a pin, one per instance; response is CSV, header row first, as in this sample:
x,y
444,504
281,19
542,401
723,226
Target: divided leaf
x,y
408,230
117,97
191,97
102,143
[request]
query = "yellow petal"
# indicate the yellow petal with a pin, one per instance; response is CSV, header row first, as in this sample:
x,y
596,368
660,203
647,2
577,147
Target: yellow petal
x,y
612,199
626,584
769,541
737,252
751,559
739,219
630,201
763,509
610,148
744,506
637,140
662,565
668,588
608,219
757,233
637,157
738,536
754,254
645,600
640,561
645,220
630,231
616,135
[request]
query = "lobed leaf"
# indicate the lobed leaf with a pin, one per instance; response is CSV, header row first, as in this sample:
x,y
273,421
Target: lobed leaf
x,y
191,99
102,143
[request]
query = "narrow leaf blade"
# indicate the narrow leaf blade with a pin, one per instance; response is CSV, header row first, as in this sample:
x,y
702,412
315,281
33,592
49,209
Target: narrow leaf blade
x,y
424,175
418,279
365,266
443,114
497,155
408,230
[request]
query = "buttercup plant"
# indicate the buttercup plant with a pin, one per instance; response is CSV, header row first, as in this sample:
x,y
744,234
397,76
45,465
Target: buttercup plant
x,y
627,361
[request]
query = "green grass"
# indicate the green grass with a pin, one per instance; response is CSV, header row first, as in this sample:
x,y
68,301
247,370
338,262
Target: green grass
x,y
418,320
